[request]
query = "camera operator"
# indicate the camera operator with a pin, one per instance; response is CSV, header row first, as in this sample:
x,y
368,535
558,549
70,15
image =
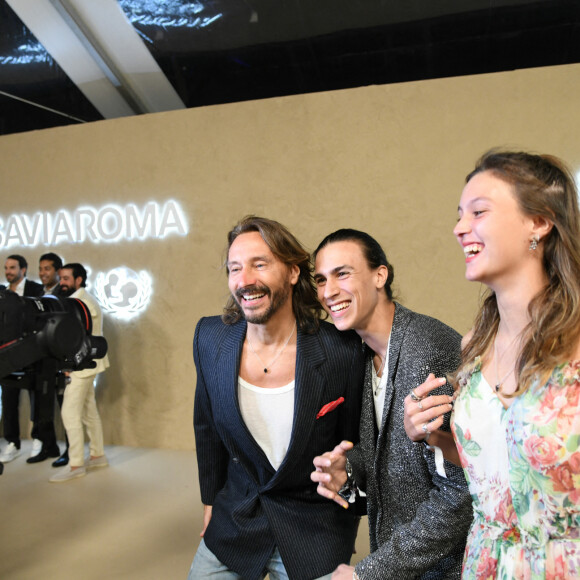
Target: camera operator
x,y
79,406
15,269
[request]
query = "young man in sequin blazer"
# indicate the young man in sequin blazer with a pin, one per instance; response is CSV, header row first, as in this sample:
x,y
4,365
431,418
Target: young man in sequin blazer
x,y
419,507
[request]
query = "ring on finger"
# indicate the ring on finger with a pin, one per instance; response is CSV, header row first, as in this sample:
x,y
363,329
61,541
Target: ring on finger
x,y
420,404
414,396
425,430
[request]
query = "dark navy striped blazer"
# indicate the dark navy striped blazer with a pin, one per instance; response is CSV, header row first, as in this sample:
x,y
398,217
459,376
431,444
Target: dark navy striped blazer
x,y
256,508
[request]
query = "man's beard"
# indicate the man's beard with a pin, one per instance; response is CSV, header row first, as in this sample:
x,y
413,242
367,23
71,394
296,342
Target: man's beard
x,y
277,299
66,291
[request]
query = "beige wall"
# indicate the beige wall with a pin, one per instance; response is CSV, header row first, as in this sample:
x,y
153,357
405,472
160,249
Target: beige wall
x,y
389,160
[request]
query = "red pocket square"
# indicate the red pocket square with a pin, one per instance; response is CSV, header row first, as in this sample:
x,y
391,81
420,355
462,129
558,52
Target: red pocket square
x,y
330,407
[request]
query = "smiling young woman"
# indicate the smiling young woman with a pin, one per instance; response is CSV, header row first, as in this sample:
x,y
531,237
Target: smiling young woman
x,y
516,419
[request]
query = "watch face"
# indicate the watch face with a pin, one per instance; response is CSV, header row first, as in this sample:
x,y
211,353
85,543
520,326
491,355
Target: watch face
x,y
348,469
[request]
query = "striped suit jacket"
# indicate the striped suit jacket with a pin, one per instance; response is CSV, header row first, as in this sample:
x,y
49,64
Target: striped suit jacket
x,y
256,508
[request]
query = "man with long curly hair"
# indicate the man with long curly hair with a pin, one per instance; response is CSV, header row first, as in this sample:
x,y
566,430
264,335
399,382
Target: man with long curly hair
x,y
275,387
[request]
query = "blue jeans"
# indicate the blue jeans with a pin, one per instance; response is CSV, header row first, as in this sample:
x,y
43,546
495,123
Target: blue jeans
x,y
206,565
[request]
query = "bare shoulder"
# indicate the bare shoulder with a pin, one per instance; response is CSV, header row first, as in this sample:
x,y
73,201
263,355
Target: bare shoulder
x,y
465,340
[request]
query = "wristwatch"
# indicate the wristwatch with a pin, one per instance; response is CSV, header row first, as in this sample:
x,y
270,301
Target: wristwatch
x,y
349,472
349,488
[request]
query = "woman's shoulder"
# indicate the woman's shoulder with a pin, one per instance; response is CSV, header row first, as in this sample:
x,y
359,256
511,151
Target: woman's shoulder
x,y
566,375
576,356
465,340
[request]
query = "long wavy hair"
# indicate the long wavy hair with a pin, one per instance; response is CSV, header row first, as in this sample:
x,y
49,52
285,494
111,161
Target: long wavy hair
x,y
289,251
545,187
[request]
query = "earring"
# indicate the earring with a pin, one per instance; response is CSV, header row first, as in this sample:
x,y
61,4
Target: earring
x,y
534,243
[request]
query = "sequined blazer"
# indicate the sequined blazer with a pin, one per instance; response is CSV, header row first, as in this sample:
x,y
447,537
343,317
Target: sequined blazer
x,y
418,520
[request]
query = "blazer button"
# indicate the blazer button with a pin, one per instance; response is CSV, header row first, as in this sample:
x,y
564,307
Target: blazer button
x,y
235,460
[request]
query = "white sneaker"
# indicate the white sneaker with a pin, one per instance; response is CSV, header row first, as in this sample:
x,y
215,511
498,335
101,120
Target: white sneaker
x,y
36,447
11,452
66,474
93,463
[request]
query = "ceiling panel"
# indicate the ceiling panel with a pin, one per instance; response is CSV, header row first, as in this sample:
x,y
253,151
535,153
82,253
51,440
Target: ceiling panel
x,y
232,50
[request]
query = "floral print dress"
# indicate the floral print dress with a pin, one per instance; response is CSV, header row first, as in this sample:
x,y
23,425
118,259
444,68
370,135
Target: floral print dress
x,y
522,465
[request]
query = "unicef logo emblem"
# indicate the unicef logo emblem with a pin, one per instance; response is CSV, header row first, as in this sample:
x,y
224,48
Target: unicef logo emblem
x,y
123,292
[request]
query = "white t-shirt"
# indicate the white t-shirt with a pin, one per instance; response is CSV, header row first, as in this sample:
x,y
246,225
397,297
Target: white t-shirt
x,y
268,414
380,387
20,288
379,392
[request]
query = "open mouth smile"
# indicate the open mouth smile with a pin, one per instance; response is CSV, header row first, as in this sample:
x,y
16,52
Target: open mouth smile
x,y
339,306
472,250
251,294
252,297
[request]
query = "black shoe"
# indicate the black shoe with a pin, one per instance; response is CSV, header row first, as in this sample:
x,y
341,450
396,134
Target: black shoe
x,y
61,461
43,455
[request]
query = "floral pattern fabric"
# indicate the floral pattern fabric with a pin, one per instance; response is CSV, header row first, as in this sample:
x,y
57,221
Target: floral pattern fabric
x,y
522,465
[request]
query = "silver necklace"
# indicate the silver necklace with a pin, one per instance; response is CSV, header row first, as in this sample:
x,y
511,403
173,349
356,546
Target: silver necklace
x,y
499,381
378,384
266,367
382,365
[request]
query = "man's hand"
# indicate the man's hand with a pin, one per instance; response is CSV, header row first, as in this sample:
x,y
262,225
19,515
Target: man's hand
x,y
330,473
343,572
206,519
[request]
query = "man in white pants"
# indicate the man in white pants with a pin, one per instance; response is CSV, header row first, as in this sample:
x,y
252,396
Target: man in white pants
x,y
79,406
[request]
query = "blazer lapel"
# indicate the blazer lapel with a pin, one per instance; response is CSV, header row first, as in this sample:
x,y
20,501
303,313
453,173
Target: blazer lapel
x,y
227,367
368,419
400,322
309,388
226,370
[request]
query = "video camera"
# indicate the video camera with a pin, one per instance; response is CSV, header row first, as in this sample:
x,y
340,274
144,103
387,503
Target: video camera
x,y
39,339
47,327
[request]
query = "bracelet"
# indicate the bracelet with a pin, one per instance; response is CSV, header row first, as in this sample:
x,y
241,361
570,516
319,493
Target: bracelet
x,y
425,441
355,575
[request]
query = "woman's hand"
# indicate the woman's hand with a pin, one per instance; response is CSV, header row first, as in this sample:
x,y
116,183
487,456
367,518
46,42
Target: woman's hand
x,y
424,417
